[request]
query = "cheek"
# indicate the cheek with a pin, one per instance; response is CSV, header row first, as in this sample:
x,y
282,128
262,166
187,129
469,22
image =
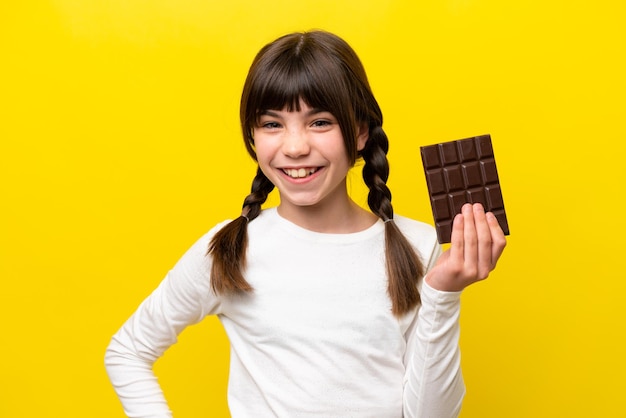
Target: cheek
x,y
336,151
264,154
260,146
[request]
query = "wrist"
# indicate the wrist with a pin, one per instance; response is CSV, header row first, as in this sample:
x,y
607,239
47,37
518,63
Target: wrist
x,y
441,285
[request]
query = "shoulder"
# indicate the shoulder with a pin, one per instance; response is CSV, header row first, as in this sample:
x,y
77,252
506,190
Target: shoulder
x,y
266,219
205,239
415,230
196,254
421,235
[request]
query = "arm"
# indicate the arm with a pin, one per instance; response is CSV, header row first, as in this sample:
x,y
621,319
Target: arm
x,y
183,298
434,386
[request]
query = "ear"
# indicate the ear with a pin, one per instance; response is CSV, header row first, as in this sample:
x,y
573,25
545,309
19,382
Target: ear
x,y
362,136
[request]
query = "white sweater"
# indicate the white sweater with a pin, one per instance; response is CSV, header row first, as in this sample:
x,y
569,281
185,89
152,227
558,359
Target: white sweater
x,y
316,337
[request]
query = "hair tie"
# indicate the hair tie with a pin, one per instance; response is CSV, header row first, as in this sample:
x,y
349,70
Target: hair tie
x,y
246,218
388,220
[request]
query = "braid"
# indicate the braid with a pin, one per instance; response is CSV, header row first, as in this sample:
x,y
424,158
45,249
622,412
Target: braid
x,y
261,188
376,173
228,246
403,265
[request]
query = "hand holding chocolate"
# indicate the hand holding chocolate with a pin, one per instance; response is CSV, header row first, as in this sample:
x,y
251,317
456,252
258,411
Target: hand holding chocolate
x,y
459,172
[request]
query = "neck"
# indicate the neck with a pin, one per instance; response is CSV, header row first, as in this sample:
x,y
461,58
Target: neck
x,y
348,218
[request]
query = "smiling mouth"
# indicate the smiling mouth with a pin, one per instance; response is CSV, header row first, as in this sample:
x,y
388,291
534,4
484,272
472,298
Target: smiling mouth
x,y
298,173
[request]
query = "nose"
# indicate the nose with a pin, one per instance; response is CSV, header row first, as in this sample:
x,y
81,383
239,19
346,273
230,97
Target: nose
x,y
295,143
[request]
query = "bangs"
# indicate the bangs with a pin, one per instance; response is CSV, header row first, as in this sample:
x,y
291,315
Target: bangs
x,y
291,80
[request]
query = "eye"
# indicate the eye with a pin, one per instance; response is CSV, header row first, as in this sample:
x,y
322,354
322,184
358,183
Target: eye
x,y
322,123
269,125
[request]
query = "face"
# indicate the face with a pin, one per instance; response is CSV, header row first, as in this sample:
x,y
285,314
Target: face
x,y
303,154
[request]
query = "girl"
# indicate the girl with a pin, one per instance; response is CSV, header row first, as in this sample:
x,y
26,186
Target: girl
x,y
331,310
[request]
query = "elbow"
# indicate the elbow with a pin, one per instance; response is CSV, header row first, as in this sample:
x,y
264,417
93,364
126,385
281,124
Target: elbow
x,y
117,357
111,356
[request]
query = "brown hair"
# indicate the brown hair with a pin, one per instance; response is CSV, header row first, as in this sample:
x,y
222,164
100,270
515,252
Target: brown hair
x,y
322,70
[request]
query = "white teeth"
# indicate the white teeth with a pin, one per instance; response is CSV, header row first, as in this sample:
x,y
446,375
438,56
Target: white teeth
x,y
298,173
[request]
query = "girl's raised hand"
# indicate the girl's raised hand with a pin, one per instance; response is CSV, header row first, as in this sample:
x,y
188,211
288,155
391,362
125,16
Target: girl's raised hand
x,y
476,245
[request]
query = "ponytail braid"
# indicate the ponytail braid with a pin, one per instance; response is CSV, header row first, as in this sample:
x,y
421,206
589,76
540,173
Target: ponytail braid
x,y
403,265
229,244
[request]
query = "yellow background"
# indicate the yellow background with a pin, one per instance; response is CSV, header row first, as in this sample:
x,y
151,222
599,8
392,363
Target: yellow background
x,y
120,146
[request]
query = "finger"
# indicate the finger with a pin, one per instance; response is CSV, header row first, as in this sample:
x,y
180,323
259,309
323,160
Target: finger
x,y
498,240
470,252
483,233
456,240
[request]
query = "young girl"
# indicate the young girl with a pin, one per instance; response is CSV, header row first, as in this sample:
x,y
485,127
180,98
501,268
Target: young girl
x,y
331,310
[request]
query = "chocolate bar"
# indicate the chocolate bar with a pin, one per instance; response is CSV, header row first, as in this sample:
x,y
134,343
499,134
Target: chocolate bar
x,y
459,172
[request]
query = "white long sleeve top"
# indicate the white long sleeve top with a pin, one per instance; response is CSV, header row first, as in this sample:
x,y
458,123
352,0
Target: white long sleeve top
x,y
316,337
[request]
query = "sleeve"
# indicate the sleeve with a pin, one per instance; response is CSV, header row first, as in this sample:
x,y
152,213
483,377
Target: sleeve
x,y
183,298
434,386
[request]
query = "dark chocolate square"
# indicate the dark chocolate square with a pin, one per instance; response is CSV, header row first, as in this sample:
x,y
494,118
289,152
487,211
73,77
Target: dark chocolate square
x,y
459,172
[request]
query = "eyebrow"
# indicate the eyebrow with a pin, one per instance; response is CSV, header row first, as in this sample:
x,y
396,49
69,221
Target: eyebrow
x,y
274,113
